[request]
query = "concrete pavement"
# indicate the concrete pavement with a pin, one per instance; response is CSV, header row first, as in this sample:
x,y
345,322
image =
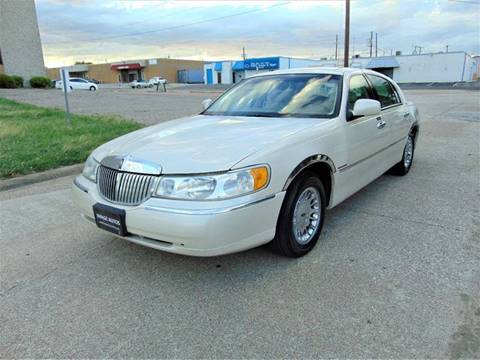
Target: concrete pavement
x,y
396,273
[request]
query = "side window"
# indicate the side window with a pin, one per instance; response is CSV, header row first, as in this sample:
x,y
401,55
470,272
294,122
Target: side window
x,y
358,90
385,92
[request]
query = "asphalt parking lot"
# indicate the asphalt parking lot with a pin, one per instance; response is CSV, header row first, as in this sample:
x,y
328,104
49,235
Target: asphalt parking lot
x,y
395,275
143,105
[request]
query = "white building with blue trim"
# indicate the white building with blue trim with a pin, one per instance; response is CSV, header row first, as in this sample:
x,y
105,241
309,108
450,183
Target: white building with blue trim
x,y
448,67
231,72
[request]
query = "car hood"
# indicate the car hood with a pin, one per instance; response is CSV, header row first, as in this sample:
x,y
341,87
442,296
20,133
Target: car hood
x,y
202,143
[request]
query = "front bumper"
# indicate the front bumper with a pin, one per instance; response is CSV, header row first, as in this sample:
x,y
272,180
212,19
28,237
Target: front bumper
x,y
190,227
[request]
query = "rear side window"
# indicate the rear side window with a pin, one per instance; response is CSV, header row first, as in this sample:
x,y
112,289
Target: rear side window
x,y
359,89
385,92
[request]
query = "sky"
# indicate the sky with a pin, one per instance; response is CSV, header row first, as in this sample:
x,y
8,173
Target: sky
x,y
102,31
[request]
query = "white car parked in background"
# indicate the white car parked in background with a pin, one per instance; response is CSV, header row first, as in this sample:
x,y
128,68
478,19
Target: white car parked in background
x,y
260,164
137,84
157,80
78,84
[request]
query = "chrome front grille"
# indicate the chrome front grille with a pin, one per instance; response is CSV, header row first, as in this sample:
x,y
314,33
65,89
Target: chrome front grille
x,y
124,187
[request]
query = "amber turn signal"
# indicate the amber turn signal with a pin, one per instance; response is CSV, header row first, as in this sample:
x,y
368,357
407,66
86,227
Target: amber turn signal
x,y
260,177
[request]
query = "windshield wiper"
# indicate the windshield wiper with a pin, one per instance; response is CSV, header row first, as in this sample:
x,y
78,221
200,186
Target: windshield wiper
x,y
260,114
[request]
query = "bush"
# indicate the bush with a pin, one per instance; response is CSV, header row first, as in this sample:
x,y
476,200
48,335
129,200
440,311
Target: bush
x,y
6,82
18,81
40,82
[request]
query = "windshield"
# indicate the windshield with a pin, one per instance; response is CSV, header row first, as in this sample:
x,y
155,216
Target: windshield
x,y
295,95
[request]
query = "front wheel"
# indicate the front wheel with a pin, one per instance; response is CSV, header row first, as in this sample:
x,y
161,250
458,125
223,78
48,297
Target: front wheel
x,y
301,217
92,88
403,166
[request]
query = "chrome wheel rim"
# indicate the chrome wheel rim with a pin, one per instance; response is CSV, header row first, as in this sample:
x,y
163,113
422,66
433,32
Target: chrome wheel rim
x,y
408,153
306,216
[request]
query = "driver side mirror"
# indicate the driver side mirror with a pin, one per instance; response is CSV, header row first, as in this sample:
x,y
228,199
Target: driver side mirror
x,y
206,103
366,107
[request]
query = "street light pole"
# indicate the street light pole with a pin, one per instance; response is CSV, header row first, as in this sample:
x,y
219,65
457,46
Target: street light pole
x,y
346,54
336,47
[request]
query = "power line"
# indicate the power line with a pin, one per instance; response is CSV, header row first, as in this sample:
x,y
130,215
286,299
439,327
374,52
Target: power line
x,y
466,1
172,27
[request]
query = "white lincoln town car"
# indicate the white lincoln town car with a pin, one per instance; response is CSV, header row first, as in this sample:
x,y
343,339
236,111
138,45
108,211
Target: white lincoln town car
x,y
260,164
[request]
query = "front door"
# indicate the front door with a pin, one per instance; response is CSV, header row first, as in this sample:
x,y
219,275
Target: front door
x,y
365,140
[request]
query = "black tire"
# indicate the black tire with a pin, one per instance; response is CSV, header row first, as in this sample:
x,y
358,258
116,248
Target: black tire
x,y
285,242
92,88
403,167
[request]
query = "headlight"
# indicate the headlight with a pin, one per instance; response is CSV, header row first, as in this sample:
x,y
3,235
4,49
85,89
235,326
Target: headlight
x,y
214,186
90,169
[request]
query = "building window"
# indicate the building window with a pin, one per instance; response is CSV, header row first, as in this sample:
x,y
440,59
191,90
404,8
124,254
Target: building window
x,y
1,61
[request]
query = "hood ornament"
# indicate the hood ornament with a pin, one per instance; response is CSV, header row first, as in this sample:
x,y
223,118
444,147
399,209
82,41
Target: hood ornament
x,y
130,164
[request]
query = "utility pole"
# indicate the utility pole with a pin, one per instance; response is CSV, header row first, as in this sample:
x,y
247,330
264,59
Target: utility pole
x,y
347,34
244,56
376,44
336,47
371,43
419,49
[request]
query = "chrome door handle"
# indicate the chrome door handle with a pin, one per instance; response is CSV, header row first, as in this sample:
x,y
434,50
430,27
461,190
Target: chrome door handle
x,y
381,124
406,115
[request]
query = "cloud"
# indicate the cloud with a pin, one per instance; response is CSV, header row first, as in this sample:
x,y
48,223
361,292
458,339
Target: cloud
x,y
118,30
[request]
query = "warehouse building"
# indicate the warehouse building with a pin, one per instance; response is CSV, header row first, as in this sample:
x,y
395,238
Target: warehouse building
x,y
173,70
448,67
20,46
231,72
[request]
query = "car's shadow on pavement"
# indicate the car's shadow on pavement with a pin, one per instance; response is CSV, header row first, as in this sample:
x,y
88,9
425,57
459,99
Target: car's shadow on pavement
x,y
247,266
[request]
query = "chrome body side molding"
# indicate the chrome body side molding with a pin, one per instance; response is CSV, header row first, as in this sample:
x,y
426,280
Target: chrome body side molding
x,y
349,166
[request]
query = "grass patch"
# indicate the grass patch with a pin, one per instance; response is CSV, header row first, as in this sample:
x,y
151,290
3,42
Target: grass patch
x,y
34,139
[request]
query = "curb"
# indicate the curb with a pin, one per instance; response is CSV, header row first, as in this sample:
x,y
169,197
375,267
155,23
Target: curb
x,y
17,182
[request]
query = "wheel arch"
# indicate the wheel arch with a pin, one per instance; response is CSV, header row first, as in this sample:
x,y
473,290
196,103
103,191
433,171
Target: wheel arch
x,y
321,165
414,130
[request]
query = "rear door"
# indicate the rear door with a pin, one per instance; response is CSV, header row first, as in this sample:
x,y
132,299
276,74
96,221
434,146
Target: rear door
x,y
394,112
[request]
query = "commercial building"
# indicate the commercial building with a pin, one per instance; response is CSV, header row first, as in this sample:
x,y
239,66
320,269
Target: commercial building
x,y
20,46
448,67
173,70
231,72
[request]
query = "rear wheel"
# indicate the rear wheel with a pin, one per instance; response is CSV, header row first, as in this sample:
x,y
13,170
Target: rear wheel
x,y
301,217
404,165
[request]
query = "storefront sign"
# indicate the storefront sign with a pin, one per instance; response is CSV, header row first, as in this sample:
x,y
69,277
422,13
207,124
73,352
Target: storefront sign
x,y
134,66
270,63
